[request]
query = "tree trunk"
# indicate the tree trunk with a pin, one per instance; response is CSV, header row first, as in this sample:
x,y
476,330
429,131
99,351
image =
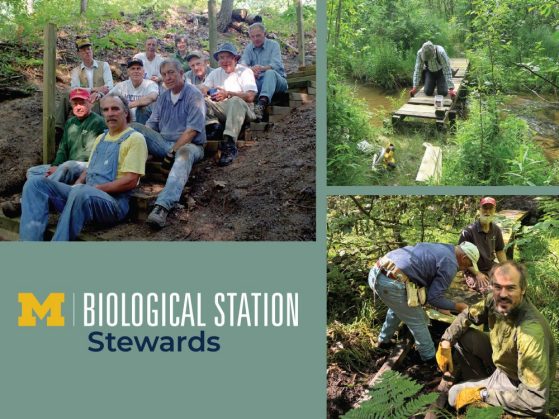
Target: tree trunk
x,y
224,15
338,19
29,4
83,6
212,31
300,32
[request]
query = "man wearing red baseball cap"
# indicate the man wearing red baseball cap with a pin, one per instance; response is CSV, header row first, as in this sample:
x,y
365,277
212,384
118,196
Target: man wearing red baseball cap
x,y
73,151
488,238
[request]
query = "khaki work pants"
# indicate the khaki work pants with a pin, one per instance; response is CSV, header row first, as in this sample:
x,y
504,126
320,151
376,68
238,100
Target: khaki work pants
x,y
231,112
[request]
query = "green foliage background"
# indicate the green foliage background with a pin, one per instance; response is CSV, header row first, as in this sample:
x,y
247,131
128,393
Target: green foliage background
x,y
375,42
360,229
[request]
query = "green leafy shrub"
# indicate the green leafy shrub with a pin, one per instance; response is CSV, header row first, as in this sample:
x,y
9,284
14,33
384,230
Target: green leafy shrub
x,y
491,150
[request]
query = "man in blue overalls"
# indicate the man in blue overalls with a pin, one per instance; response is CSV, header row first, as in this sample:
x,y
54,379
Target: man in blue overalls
x,y
101,193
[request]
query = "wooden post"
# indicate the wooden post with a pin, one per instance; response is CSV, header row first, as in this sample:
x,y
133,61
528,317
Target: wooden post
x,y
213,31
300,33
49,79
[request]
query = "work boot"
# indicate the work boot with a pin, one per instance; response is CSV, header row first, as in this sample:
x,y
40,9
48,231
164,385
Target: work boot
x,y
157,217
228,151
386,345
261,110
11,209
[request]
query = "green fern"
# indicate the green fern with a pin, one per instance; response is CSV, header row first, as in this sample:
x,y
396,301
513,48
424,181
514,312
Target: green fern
x,y
394,396
490,412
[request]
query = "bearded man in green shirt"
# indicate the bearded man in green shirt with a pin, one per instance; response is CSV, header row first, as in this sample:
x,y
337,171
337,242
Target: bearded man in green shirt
x,y
514,365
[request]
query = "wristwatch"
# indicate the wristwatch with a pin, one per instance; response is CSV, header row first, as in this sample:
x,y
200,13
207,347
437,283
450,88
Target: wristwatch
x,y
484,394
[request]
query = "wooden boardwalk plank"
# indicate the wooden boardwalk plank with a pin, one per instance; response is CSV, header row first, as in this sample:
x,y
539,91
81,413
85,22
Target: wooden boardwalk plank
x,y
423,106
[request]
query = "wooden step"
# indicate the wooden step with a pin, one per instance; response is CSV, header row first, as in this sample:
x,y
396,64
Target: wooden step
x,y
309,70
300,97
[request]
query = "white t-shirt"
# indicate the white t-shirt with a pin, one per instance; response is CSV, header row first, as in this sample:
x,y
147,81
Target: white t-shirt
x,y
240,80
151,68
127,90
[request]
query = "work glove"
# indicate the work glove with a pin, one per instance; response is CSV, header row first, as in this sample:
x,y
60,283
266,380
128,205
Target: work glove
x,y
413,91
468,396
451,93
168,161
444,359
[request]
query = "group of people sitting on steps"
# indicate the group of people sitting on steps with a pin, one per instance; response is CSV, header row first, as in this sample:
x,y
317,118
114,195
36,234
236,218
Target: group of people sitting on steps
x,y
166,108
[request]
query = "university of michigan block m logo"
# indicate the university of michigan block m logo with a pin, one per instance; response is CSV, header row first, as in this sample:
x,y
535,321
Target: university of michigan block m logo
x,y
29,305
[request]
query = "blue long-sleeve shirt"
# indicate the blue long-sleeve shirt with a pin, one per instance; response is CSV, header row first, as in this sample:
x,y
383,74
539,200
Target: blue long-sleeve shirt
x,y
440,61
268,54
432,265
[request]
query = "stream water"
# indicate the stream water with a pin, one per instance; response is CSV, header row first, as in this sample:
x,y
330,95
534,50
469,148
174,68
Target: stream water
x,y
378,100
541,115
543,118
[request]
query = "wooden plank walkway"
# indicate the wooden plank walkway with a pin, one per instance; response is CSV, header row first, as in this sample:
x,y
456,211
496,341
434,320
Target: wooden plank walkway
x,y
423,106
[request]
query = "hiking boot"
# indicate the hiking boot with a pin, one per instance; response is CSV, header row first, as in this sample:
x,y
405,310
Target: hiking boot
x,y
261,111
228,151
11,209
157,217
386,345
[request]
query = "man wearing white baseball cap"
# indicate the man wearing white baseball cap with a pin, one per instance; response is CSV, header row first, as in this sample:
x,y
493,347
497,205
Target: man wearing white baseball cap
x,y
411,276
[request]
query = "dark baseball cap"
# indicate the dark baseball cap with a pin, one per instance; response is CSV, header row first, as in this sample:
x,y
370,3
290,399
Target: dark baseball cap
x,y
135,61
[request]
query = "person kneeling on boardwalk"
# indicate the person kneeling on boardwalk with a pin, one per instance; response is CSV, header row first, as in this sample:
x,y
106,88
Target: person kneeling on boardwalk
x,y
411,276
80,132
433,64
263,56
488,238
101,193
232,90
175,132
515,364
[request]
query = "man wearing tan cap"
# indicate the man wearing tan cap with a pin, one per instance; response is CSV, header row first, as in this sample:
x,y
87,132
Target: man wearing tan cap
x,y
411,276
488,238
92,75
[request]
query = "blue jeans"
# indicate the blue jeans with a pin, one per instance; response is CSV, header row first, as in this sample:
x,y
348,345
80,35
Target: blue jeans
x,y
393,294
78,204
185,158
67,172
270,83
142,114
